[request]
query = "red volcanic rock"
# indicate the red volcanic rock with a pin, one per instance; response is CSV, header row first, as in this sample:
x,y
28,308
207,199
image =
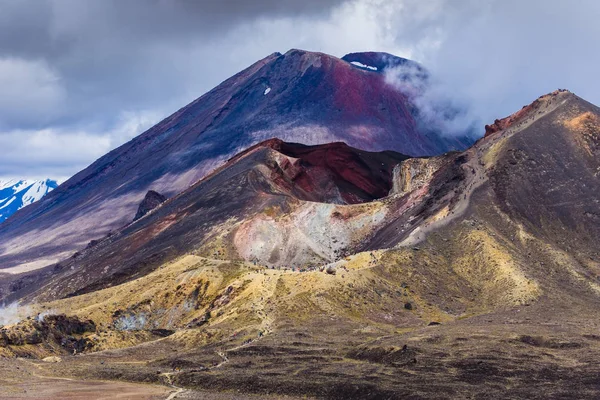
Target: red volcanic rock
x,y
272,175
334,170
261,202
504,123
522,114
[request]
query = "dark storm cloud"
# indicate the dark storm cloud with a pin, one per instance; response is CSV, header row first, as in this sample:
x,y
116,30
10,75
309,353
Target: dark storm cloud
x,y
94,48
80,77
52,27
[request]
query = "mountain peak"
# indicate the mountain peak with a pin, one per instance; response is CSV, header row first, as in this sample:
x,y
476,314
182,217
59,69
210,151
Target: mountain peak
x,y
302,52
379,61
16,194
300,97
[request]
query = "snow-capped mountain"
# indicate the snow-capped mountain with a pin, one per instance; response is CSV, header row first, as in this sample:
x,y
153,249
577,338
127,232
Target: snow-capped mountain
x,y
16,194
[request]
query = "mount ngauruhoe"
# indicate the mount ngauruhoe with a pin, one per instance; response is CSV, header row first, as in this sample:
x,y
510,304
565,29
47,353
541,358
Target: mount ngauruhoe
x,y
299,231
302,97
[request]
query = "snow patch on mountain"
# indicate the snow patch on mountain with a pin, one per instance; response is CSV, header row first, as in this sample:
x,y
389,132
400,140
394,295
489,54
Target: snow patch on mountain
x,y
364,66
16,194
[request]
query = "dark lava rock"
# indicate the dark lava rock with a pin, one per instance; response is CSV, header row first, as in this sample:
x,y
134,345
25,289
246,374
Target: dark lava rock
x,y
384,355
151,201
162,332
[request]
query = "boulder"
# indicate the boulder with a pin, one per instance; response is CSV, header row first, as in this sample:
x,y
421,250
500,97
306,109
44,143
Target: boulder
x,y
151,201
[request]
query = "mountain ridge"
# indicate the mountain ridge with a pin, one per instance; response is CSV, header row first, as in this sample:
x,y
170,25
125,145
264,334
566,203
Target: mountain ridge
x,y
477,269
425,195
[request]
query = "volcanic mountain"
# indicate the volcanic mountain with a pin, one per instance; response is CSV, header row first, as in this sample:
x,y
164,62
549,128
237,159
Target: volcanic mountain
x,y
335,272
272,177
302,97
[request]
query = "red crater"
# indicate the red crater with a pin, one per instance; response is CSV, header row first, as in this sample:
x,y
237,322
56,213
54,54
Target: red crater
x,y
334,172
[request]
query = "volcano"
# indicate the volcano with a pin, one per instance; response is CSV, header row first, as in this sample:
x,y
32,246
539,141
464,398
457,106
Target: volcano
x,y
295,232
335,272
299,97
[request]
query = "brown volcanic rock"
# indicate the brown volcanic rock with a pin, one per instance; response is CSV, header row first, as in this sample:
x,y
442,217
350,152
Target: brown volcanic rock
x,y
151,201
273,176
333,172
546,176
505,123
276,194
497,243
275,203
52,331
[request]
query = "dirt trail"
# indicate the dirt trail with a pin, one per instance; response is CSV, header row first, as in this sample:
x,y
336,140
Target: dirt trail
x,y
178,390
25,379
223,354
477,162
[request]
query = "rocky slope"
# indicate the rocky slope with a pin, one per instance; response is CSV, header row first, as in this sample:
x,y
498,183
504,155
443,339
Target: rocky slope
x,y
228,214
299,96
150,202
286,272
293,206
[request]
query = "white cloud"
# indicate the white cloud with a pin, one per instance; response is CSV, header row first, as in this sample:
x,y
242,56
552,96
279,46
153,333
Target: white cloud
x,y
57,154
131,124
48,153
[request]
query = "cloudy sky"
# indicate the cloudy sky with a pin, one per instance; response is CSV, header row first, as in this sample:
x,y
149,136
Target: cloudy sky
x,y
80,77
